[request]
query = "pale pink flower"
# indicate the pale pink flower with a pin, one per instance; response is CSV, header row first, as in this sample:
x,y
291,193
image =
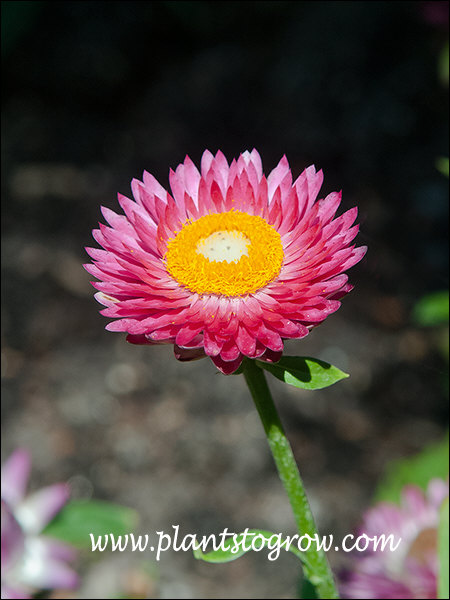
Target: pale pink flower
x,y
31,561
411,571
230,264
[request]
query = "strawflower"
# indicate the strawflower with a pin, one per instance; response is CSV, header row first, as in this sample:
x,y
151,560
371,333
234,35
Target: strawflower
x,y
411,571
229,264
31,562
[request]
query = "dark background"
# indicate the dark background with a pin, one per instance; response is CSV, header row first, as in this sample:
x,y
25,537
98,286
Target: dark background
x,y
96,92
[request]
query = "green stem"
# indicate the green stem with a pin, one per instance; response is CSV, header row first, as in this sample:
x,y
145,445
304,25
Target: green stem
x,y
315,563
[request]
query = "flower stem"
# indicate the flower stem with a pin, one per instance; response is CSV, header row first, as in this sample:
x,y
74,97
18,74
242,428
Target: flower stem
x,y
315,563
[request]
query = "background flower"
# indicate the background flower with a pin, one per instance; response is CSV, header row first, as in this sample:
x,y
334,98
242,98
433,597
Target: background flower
x,y
410,571
230,264
31,561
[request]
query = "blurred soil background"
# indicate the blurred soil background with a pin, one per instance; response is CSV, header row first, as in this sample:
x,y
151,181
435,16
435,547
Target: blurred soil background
x,y
96,92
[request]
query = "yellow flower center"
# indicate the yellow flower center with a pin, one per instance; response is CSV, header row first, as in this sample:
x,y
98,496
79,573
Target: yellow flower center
x,y
231,254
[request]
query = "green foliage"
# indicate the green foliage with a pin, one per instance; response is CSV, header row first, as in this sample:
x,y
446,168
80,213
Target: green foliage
x,y
417,470
442,165
443,551
304,372
243,543
443,65
307,590
79,518
432,309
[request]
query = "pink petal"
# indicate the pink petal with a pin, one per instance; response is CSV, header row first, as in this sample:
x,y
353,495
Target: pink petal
x,y
152,186
437,491
245,342
280,177
187,333
227,367
39,508
308,186
230,351
13,538
11,592
212,345
43,572
15,474
206,162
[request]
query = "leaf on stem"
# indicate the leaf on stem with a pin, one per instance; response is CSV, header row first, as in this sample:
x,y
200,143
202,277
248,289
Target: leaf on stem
x,y
304,372
240,544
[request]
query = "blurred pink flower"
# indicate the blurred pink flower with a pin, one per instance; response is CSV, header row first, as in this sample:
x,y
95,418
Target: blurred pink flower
x,y
230,264
31,561
436,12
410,571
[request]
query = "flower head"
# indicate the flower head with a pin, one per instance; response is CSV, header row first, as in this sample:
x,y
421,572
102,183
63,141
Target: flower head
x,y
228,265
31,561
411,570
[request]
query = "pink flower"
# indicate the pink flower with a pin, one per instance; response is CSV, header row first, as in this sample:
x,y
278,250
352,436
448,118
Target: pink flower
x,y
31,561
230,264
436,12
410,571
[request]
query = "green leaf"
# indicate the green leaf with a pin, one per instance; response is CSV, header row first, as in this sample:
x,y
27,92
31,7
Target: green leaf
x,y
304,372
416,470
443,552
238,545
79,518
442,165
308,591
432,309
443,65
